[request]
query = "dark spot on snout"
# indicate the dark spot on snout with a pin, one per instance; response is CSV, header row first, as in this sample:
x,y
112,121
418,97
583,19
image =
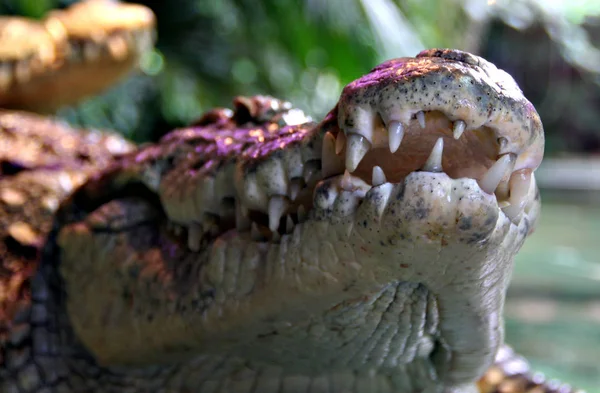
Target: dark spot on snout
x,y
465,223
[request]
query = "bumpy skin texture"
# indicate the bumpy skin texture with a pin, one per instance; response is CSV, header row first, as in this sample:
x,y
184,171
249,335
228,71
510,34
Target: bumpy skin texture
x,y
236,255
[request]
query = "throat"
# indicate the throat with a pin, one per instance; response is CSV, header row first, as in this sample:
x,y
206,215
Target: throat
x,y
386,330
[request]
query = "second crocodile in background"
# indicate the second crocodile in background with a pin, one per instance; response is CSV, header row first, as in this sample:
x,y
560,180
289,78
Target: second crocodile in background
x,y
256,251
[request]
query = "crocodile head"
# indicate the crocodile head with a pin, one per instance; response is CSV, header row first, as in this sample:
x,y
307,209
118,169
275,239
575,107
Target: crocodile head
x,y
373,247
72,53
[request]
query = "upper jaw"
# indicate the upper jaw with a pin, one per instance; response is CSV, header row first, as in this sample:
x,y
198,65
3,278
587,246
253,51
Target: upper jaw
x,y
488,121
467,89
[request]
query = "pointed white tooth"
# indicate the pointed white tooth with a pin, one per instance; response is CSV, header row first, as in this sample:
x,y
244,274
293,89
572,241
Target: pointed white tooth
x,y
459,128
378,176
255,232
346,182
301,213
295,187
520,182
434,162
496,173
356,148
194,237
395,135
421,118
242,222
331,163
277,206
340,142
289,224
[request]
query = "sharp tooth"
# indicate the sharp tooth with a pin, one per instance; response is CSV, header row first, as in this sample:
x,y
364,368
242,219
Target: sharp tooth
x,y
194,237
289,224
459,128
421,118
395,134
295,187
520,181
434,162
331,164
346,182
277,206
378,176
356,148
340,142
301,213
242,222
255,232
496,173
502,142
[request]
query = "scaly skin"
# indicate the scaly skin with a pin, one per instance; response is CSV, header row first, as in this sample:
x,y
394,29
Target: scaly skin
x,y
238,255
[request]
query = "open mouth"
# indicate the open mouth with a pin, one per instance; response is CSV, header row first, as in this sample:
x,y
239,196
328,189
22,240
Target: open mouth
x,y
430,142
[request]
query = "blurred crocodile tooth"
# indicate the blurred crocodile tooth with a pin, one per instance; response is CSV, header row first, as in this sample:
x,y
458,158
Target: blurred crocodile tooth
x,y
117,47
346,182
5,76
421,118
434,162
520,181
289,224
331,163
395,134
277,205
459,128
242,222
378,176
91,51
503,142
295,187
255,232
356,148
301,213
340,142
194,236
22,71
494,175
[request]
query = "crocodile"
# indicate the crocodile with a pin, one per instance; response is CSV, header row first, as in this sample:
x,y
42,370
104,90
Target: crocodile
x,y
259,251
